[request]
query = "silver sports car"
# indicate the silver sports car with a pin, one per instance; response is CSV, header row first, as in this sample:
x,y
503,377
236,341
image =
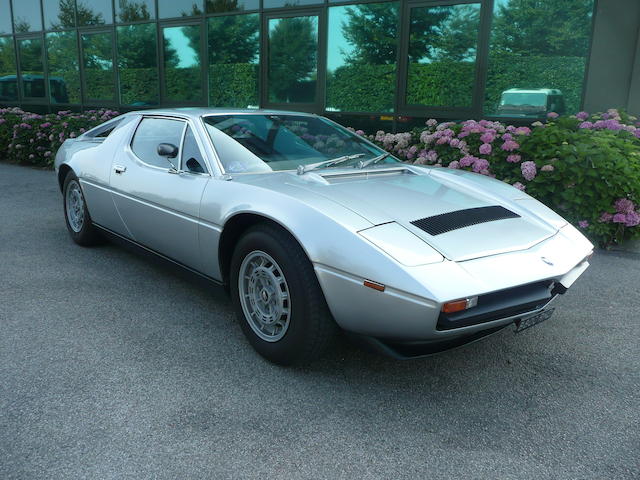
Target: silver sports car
x,y
313,228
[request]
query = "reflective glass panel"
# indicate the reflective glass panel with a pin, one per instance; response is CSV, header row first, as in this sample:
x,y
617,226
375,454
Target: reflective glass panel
x,y
26,15
361,57
234,47
293,59
137,64
59,14
63,64
134,10
5,18
182,69
192,160
537,57
173,8
31,67
94,12
219,6
8,71
443,43
289,3
97,50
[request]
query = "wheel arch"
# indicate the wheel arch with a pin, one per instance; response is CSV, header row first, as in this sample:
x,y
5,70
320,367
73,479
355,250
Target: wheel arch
x,y
234,228
63,171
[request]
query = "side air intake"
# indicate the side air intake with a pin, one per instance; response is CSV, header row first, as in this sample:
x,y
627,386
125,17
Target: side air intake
x,y
446,222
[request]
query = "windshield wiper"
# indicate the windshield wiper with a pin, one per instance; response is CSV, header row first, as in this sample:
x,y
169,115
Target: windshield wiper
x,y
365,163
302,169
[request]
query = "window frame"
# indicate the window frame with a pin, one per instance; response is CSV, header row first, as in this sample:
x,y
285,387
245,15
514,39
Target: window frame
x,y
45,100
319,11
415,110
187,122
86,99
204,91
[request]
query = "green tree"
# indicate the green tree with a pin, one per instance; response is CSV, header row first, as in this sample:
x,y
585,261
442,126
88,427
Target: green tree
x,y
543,27
293,48
66,14
234,39
457,34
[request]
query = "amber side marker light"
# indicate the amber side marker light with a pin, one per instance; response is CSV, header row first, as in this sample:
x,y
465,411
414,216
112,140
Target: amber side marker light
x,y
375,285
459,305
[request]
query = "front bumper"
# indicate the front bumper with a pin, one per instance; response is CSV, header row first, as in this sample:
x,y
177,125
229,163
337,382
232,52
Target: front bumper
x,y
510,286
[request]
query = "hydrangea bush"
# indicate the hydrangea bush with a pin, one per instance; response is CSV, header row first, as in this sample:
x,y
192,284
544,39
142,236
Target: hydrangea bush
x,y
31,138
585,167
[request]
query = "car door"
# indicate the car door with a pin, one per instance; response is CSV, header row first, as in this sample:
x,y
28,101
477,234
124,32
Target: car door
x,y
158,197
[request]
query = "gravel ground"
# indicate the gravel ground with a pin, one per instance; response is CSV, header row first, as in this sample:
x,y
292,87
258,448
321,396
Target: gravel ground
x,y
113,366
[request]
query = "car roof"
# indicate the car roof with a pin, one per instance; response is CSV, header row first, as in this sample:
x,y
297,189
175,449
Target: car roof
x,y
195,112
548,91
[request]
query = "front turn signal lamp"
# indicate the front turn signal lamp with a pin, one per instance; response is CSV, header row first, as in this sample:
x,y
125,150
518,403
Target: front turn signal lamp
x,y
459,305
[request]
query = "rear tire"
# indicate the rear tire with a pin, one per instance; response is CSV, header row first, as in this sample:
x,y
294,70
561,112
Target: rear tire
x,y
76,214
279,302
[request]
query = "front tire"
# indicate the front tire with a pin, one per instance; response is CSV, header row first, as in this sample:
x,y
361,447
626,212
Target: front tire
x,y
76,214
280,305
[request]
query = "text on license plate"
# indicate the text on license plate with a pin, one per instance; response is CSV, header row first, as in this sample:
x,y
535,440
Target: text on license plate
x,y
523,324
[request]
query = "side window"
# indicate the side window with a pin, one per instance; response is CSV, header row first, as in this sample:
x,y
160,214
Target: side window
x,y
192,160
152,132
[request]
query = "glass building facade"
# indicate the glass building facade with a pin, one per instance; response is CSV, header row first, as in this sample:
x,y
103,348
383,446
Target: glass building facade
x,y
370,64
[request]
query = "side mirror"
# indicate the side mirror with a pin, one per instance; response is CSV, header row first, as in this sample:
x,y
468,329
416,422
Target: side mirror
x,y
168,150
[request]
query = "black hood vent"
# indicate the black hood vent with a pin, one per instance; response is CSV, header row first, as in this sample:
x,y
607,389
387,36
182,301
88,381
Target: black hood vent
x,y
446,222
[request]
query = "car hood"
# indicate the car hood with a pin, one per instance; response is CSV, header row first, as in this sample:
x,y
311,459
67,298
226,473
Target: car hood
x,y
405,194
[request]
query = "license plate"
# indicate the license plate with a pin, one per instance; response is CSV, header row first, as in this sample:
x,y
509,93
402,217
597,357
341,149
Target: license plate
x,y
524,323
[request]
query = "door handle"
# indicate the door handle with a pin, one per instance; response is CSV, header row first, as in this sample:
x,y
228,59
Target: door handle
x,y
119,169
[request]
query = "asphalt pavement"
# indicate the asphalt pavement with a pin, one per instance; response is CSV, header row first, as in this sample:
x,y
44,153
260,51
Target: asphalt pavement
x,y
113,366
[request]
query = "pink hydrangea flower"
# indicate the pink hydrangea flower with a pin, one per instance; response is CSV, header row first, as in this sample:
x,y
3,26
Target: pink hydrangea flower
x,y
431,122
583,224
633,219
510,146
619,218
547,168
606,217
485,149
514,158
454,142
359,132
522,131
552,115
582,115
467,161
529,170
586,125
520,186
455,164
487,137
481,165
624,205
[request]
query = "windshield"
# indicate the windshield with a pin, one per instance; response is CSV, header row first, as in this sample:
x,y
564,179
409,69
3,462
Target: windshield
x,y
524,99
283,142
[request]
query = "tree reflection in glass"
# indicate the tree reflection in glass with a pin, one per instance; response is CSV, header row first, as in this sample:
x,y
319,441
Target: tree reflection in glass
x,y
173,8
361,57
233,60
442,55
8,77
293,46
59,14
31,67
94,12
137,64
26,15
98,66
134,10
63,67
220,6
182,68
537,56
